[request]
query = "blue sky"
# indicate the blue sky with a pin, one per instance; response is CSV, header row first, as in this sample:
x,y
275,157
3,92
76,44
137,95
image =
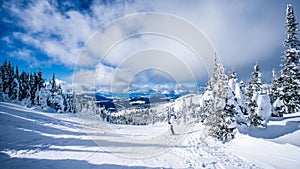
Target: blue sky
x,y
51,34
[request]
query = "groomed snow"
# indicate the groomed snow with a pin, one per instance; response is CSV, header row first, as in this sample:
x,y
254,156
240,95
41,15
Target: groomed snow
x,y
35,139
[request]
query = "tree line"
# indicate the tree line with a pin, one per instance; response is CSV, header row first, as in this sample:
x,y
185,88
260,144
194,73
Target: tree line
x,y
31,89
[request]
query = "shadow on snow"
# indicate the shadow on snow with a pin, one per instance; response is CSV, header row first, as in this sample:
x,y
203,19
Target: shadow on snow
x,y
28,131
272,131
7,162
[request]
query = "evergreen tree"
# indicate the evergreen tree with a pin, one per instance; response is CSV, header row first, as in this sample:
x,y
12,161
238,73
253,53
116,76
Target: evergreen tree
x,y
15,86
17,73
56,99
31,94
1,84
53,84
5,81
243,90
235,98
252,91
53,92
68,103
5,78
289,80
24,85
222,115
43,95
74,103
274,93
39,83
11,75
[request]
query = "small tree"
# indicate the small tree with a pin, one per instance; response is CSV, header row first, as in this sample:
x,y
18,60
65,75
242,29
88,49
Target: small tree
x,y
235,97
24,85
274,94
253,89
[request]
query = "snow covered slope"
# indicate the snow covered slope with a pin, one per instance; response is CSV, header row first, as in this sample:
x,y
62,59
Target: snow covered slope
x,y
34,139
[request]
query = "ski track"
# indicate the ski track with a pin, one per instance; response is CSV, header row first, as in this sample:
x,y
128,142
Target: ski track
x,y
204,152
34,139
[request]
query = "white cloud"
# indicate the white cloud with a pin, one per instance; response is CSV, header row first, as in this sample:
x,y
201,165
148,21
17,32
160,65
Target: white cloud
x,y
61,36
83,80
27,56
91,79
241,31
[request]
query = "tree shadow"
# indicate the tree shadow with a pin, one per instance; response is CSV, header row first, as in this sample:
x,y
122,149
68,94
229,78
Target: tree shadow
x,y
8,163
283,118
273,131
29,132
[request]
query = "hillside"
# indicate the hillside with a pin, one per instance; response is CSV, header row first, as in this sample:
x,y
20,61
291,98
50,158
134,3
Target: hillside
x,y
35,139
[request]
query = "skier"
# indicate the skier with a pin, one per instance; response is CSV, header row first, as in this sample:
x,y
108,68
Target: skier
x,y
171,119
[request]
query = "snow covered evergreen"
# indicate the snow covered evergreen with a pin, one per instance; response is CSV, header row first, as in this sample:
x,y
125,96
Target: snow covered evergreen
x,y
288,98
235,98
253,89
221,115
274,92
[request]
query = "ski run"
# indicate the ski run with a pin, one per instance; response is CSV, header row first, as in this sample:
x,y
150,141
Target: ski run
x,y
34,139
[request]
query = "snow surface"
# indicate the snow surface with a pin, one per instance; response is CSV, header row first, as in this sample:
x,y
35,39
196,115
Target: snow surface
x,y
33,139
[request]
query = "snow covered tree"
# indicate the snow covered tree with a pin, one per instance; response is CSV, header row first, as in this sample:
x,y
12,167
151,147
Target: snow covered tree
x,y
289,80
56,99
11,76
263,110
69,103
209,85
221,120
254,85
42,95
252,90
53,84
291,41
24,85
15,86
6,79
206,105
39,83
53,91
74,102
32,87
1,87
274,93
235,98
207,100
235,87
